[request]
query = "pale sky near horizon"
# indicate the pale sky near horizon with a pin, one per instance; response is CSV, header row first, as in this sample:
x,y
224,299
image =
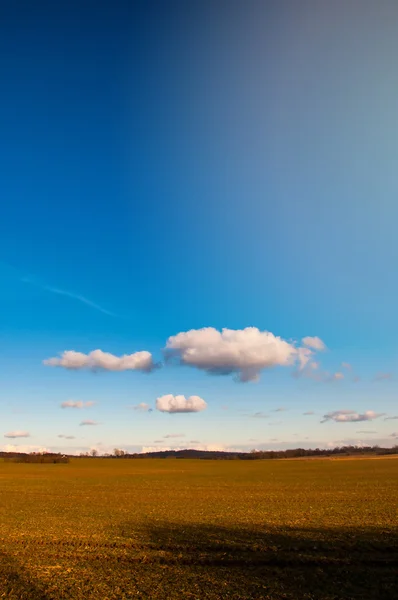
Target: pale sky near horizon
x,y
168,167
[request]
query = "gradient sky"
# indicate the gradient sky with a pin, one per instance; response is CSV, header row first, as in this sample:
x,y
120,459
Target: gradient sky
x,y
169,166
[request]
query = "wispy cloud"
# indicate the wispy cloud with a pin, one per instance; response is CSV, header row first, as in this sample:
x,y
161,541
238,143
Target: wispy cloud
x,y
260,415
77,404
391,418
174,435
17,434
281,409
382,376
141,407
366,431
350,416
309,412
72,295
66,437
89,422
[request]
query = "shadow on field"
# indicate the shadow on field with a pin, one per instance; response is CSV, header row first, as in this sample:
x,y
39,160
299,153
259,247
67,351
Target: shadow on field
x,y
16,583
294,563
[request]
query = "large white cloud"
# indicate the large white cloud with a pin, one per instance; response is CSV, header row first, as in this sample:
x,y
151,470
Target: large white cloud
x,y
97,359
17,434
245,352
180,404
350,416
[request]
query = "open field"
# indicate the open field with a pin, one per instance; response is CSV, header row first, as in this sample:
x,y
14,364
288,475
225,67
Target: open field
x,y
166,529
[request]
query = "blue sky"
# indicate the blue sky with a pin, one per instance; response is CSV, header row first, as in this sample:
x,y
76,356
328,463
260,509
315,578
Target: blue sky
x,y
186,165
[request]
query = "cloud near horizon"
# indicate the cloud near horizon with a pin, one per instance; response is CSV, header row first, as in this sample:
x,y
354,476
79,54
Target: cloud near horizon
x,y
17,434
89,422
350,416
66,437
105,361
174,435
77,404
244,352
180,404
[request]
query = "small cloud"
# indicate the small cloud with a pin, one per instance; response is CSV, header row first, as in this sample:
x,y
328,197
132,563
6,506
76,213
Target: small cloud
x,y
142,407
337,376
391,418
224,407
194,442
158,442
274,440
180,404
66,437
17,434
259,415
350,416
99,360
356,379
346,365
174,435
309,412
394,435
382,376
77,404
252,440
314,342
281,409
89,422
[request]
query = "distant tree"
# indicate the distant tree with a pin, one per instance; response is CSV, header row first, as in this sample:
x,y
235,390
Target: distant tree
x,y
93,452
117,452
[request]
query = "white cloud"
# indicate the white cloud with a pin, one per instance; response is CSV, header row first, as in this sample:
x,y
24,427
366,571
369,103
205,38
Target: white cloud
x,y
89,422
99,360
309,412
180,404
174,435
77,404
66,437
346,365
350,416
17,434
245,352
314,342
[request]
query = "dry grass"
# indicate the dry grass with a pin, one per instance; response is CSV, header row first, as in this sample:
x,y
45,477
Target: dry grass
x,y
169,529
